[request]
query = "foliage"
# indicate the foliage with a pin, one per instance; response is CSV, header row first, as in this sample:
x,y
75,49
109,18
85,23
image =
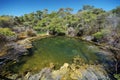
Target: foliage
x,y
59,21
117,76
88,7
101,34
116,11
6,32
6,21
98,35
87,21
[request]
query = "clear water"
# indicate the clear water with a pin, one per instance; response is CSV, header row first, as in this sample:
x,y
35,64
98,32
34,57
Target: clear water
x,y
57,50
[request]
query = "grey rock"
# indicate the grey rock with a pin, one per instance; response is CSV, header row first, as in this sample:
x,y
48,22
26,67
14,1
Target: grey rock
x,y
44,74
71,32
91,72
88,38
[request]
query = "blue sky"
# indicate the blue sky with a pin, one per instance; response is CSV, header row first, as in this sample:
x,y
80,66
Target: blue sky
x,y
20,7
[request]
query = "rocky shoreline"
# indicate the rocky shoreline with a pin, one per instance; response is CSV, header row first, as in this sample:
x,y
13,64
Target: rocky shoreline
x,y
72,71
12,51
67,71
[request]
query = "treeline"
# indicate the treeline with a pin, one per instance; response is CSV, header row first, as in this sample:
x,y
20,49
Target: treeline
x,y
102,26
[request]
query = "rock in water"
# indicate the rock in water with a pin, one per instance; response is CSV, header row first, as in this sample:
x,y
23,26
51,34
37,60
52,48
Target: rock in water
x,y
67,72
44,74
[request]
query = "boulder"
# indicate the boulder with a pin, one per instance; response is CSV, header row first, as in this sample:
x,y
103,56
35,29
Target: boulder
x,y
71,32
67,72
14,50
88,38
26,43
44,74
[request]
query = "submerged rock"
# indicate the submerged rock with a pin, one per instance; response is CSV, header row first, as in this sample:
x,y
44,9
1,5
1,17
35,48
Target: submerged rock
x,y
58,74
13,77
27,76
78,70
72,72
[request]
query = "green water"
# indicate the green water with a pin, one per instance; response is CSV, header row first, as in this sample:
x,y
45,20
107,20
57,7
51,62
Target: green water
x,y
57,50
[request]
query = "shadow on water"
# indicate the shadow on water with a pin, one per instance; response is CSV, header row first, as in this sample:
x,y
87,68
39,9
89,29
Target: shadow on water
x,y
108,63
31,51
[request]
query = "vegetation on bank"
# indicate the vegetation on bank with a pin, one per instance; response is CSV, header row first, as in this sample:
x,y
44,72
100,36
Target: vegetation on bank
x,y
6,32
88,21
103,26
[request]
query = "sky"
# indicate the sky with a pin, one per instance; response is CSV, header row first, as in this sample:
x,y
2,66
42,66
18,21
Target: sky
x,y
21,7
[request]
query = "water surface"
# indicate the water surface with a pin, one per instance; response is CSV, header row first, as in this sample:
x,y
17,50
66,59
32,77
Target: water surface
x,y
57,50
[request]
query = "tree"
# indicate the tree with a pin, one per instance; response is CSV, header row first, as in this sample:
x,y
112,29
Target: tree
x,y
31,16
69,10
88,7
98,11
39,15
17,20
116,11
25,17
45,12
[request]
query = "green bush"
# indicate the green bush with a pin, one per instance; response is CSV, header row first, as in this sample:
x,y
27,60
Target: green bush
x,y
98,35
101,34
6,32
117,76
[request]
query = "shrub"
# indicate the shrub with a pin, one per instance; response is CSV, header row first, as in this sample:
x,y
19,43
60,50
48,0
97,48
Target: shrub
x,y
6,32
98,35
101,34
117,76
